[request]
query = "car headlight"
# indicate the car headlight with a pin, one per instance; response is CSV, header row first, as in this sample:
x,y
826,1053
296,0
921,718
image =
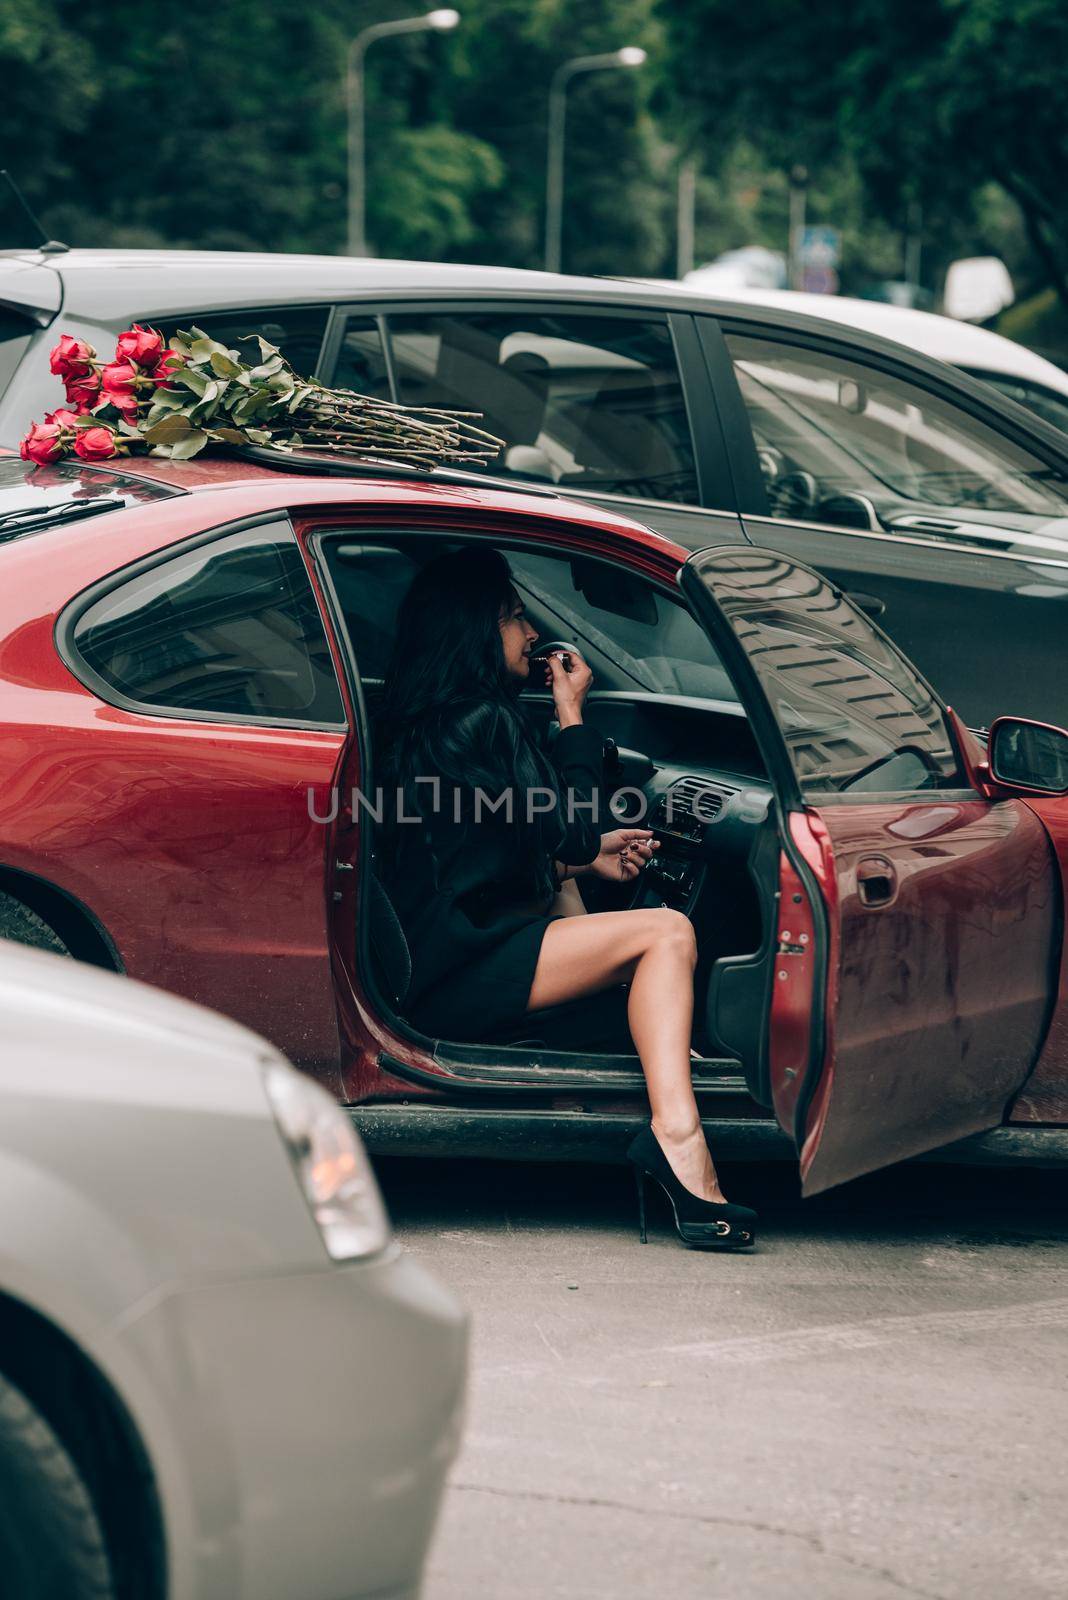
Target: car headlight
x,y
331,1165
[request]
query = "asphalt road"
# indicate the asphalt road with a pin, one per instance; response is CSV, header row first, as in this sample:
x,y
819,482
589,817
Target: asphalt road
x,y
873,1405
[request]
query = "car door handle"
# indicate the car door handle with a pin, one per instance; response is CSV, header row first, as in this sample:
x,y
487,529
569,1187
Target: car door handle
x,y
876,881
867,602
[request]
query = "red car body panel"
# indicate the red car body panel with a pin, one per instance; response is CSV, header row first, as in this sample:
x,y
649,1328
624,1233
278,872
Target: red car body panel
x,y
804,986
943,992
192,843
1044,1097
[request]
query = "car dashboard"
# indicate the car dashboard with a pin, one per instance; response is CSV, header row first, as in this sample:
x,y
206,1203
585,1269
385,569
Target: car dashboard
x,y
690,770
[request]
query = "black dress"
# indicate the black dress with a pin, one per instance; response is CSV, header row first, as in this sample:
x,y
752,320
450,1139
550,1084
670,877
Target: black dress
x,y
463,893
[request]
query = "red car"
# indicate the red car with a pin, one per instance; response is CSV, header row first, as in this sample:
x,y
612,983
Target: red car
x,y
190,655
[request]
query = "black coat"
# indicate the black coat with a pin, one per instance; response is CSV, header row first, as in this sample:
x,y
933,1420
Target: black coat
x,y
462,890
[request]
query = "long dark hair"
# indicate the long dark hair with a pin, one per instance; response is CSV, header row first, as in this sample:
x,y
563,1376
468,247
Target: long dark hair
x,y
451,708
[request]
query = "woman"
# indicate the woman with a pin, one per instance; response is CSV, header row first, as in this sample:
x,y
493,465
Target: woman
x,y
484,844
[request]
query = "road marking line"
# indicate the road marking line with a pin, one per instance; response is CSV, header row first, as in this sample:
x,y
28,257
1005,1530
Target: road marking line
x,y
868,1335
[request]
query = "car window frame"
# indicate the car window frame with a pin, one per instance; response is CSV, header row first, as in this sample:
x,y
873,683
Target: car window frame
x,y
950,385
76,664
712,467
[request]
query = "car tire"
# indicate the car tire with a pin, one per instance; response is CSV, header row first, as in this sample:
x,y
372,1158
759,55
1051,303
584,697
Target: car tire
x,y
51,1542
24,926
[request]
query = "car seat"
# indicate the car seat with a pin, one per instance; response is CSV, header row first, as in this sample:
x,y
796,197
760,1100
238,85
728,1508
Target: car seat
x,y
595,1023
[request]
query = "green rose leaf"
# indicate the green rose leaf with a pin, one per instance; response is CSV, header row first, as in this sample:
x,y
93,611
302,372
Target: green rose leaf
x,y
258,435
190,378
223,366
267,350
191,445
169,430
229,435
167,400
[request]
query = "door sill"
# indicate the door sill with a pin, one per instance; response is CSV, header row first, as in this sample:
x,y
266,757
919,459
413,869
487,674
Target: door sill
x,y
496,1068
478,1133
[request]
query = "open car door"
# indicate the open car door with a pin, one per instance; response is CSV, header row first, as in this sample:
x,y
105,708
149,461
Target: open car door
x,y
910,979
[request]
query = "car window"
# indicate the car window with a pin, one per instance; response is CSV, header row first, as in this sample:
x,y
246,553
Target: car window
x,y
854,716
845,443
1045,403
229,628
655,640
15,334
361,362
298,331
587,402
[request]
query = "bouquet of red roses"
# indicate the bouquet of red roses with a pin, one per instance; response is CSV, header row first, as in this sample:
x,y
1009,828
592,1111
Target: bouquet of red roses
x,y
175,399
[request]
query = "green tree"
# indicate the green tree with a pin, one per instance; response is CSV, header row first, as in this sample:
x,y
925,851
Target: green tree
x,y
925,101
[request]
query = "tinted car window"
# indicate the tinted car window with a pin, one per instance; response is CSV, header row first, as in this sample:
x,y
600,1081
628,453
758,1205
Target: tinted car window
x,y
229,628
588,402
1045,403
30,493
298,331
15,334
655,640
854,716
829,429
361,362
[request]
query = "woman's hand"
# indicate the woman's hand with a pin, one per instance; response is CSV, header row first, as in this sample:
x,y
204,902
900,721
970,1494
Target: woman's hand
x,y
569,689
623,854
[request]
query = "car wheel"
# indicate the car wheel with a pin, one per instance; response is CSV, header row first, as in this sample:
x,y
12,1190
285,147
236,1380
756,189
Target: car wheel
x,y
24,926
51,1542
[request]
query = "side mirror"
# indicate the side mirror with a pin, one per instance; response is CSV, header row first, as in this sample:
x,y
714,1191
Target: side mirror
x,y
1029,755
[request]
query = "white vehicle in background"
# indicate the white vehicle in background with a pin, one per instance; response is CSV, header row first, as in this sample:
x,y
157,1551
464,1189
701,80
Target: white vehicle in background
x,y
220,1378
1017,372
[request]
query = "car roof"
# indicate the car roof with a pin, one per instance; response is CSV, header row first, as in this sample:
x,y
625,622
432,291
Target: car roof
x,y
961,344
103,285
117,285
110,288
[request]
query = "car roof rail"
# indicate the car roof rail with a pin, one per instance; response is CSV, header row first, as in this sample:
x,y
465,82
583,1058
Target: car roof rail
x,y
304,461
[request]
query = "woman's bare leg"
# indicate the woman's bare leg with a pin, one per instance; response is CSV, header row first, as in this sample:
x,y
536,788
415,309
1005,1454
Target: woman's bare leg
x,y
655,951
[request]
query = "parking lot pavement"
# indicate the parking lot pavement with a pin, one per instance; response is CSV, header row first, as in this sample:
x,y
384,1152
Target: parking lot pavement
x,y
873,1405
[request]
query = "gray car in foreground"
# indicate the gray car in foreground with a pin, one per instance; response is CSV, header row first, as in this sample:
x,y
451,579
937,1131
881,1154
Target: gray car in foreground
x,y
219,1375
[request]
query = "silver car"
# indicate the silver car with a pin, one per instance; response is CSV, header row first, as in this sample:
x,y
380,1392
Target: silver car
x,y
219,1374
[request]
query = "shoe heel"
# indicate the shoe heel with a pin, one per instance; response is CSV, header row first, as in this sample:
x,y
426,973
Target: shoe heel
x,y
639,1183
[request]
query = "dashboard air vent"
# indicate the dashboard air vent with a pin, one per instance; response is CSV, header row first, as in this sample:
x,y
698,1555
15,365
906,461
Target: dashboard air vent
x,y
694,800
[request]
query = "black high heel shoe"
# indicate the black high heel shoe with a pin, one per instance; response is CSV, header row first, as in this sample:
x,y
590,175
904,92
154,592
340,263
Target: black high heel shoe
x,y
701,1224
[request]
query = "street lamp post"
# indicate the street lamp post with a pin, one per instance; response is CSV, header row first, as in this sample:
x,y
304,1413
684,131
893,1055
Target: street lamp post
x,y
442,21
629,56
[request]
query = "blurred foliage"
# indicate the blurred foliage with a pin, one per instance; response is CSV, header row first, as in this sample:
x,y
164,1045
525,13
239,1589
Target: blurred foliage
x,y
1041,323
929,101
224,126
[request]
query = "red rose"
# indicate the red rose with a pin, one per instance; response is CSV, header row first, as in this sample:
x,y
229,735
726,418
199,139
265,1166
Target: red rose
x,y
95,444
118,383
142,346
171,363
42,443
72,358
83,393
62,419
